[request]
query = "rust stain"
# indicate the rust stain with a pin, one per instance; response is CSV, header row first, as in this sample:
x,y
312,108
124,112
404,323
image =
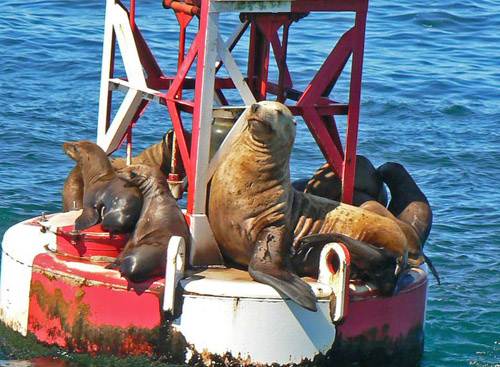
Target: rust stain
x,y
80,335
369,349
374,347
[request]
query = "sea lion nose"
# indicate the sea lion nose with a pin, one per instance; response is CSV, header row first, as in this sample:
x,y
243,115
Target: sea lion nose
x,y
255,108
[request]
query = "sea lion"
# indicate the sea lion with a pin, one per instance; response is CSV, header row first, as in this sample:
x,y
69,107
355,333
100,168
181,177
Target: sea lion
x,y
72,192
257,217
159,155
145,254
383,268
106,196
408,202
408,207
368,184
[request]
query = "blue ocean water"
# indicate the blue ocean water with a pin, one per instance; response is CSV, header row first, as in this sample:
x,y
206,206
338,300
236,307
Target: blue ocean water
x,y
430,100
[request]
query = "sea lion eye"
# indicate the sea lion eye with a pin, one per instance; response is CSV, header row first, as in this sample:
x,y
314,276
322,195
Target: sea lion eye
x,y
279,111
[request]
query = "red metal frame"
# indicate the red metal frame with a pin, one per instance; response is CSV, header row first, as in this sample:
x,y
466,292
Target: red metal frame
x,y
314,105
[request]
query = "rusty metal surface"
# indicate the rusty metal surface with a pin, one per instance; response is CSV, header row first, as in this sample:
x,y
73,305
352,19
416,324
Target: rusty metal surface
x,y
72,308
82,313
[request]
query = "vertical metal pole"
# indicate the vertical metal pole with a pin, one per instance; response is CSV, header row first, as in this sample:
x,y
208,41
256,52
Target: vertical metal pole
x,y
108,57
132,15
204,249
202,116
282,62
354,105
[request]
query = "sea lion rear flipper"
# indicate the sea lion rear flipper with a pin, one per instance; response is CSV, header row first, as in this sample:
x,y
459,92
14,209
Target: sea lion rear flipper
x,y
383,267
88,218
269,265
432,268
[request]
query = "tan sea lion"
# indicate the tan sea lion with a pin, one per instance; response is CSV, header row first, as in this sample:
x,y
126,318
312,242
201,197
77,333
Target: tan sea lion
x,y
159,155
105,195
144,255
72,192
368,184
258,218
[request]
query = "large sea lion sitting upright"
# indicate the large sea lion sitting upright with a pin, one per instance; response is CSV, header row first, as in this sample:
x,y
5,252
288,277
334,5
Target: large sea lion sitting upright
x,y
258,218
145,254
105,195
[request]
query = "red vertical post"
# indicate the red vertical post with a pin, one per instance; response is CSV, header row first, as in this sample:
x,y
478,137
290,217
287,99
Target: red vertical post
x,y
205,72
258,61
354,106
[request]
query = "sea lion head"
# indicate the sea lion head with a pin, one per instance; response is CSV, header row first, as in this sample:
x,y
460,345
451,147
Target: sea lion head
x,y
85,152
144,177
136,174
272,124
90,157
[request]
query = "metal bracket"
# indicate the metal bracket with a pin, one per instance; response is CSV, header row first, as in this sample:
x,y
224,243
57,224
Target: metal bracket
x,y
334,269
174,272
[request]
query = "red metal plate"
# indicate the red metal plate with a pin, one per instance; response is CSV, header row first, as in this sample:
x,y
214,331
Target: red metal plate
x,y
93,241
84,307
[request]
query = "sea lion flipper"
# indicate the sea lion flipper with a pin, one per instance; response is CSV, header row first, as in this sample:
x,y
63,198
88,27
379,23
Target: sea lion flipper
x,y
267,266
383,267
88,218
432,268
143,262
290,285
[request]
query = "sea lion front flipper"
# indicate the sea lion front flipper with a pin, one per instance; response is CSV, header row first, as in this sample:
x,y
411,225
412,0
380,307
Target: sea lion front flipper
x,y
383,267
143,262
269,265
88,218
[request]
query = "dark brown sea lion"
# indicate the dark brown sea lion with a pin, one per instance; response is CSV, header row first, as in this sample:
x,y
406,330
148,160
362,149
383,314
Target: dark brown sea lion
x,y
105,195
408,202
368,184
144,255
409,208
159,155
258,218
383,268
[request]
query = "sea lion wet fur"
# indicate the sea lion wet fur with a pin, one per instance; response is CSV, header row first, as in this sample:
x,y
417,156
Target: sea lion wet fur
x,y
257,217
408,207
158,155
106,197
368,184
144,255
